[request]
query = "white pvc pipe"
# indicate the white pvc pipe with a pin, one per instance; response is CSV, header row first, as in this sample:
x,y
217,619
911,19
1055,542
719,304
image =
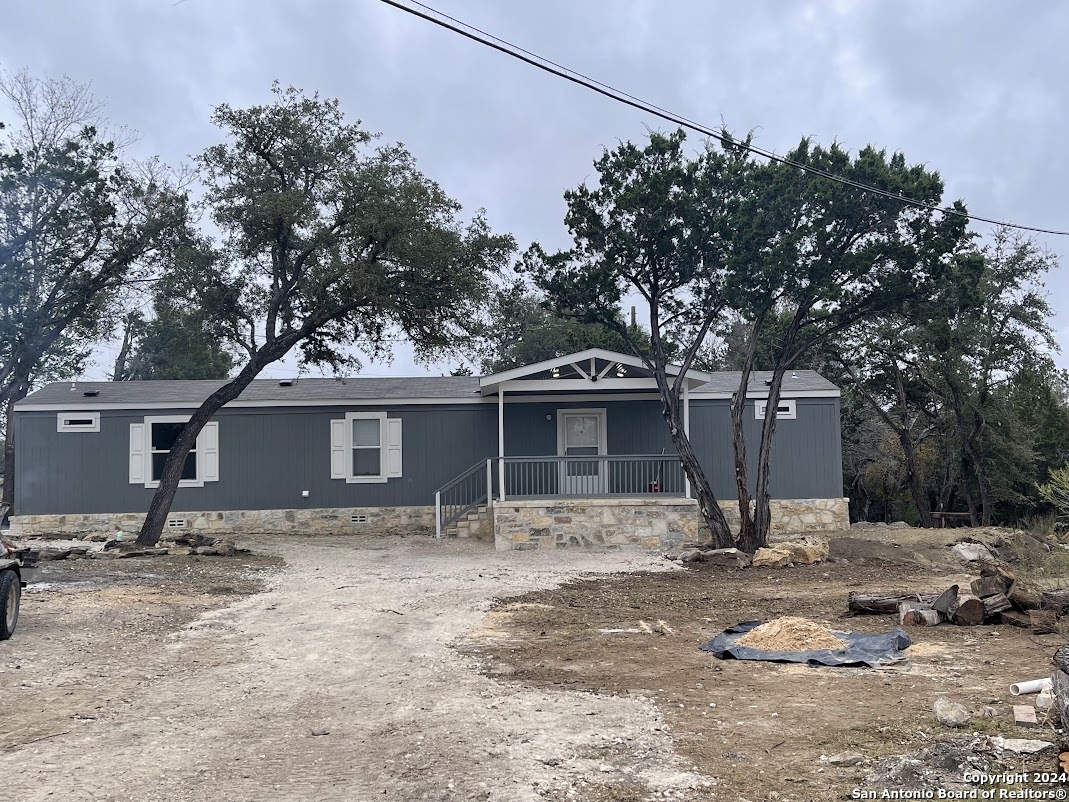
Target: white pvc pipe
x,y
1032,686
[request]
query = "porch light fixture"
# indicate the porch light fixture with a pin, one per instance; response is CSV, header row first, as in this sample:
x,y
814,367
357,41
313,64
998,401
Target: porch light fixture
x,y
621,371
554,372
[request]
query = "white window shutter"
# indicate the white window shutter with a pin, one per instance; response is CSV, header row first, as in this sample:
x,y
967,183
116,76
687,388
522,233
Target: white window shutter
x,y
393,446
339,449
208,452
137,453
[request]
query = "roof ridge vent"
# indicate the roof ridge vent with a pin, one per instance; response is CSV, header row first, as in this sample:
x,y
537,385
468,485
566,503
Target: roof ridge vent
x,y
286,382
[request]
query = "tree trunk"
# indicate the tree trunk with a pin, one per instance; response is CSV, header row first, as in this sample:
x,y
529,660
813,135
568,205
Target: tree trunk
x,y
967,491
710,509
707,504
763,496
160,506
738,440
913,479
879,603
8,497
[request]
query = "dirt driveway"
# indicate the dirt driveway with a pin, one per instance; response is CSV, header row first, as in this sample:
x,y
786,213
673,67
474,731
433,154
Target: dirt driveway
x,y
176,679
398,669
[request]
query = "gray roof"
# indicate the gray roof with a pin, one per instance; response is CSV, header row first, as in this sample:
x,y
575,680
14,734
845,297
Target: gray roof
x,y
357,388
307,389
727,381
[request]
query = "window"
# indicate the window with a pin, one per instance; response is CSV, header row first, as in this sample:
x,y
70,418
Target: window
x,y
365,447
78,422
151,443
162,436
785,410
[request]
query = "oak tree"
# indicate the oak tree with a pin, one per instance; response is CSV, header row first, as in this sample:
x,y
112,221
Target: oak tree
x,y
326,244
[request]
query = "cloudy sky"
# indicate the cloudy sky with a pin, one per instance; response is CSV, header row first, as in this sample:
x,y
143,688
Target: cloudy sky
x,y
975,90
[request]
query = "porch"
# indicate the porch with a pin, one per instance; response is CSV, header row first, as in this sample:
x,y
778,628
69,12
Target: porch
x,y
582,428
563,480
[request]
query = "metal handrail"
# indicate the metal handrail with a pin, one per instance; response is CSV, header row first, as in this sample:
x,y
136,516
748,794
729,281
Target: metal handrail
x,y
459,496
601,475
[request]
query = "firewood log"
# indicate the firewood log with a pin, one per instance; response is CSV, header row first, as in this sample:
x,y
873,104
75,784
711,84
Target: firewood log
x,y
967,611
947,598
988,586
1024,598
915,614
993,605
884,602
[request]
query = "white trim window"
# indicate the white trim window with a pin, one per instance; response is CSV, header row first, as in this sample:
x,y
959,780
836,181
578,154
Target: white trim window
x,y
151,442
785,411
78,422
365,447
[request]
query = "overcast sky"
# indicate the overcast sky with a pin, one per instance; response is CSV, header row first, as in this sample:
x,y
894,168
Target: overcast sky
x,y
975,90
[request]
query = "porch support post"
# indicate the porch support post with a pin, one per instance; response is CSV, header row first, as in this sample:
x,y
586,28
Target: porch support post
x,y
686,431
501,441
438,514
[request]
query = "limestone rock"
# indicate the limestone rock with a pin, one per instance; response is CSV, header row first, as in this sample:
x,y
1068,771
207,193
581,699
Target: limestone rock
x,y
898,525
1020,746
805,550
1045,699
730,558
691,556
973,552
950,714
220,548
774,557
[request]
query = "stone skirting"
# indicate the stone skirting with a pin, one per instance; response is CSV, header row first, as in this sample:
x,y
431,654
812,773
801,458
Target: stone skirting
x,y
798,514
321,521
652,523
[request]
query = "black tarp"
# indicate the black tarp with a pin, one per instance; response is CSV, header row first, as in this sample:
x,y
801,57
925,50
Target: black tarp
x,y
862,650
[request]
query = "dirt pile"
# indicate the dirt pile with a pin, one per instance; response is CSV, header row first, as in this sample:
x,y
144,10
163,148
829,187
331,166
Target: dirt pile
x,y
790,634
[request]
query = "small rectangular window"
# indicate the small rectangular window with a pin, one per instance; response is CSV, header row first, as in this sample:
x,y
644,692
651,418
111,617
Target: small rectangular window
x,y
78,422
786,409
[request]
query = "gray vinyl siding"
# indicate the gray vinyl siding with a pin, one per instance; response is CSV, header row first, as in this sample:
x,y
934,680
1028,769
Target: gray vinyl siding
x,y
267,456
806,451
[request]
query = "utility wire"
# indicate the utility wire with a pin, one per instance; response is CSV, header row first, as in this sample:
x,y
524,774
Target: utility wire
x,y
501,45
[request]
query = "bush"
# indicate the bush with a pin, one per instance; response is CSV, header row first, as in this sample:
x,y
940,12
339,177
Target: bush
x,y
1056,492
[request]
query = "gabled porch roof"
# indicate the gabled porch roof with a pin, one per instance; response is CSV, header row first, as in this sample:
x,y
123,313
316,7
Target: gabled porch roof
x,y
592,369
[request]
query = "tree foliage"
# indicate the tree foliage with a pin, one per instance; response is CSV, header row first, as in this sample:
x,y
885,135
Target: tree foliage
x,y
328,244
77,226
968,367
522,330
180,341
658,223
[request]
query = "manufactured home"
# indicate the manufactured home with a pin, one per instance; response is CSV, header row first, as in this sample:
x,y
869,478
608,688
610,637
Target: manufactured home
x,y
573,451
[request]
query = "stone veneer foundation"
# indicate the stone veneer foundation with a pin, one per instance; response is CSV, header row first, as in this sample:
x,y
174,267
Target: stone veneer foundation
x,y
652,523
321,521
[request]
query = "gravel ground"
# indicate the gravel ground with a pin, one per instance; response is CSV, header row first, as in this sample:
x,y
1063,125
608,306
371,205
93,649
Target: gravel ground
x,y
337,682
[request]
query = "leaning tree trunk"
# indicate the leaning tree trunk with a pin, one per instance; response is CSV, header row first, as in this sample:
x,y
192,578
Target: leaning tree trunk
x,y
707,504
160,506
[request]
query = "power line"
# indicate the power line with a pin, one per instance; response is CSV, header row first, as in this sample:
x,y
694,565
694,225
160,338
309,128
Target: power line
x,y
568,74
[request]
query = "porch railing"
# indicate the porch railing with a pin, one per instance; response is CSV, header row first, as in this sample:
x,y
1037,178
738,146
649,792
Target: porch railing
x,y
455,499
593,476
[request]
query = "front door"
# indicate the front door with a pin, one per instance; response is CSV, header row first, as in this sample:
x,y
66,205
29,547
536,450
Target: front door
x,y
581,433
